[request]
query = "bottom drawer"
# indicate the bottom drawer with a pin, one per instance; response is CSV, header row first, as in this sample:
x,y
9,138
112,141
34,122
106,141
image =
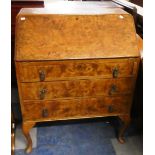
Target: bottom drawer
x,y
61,109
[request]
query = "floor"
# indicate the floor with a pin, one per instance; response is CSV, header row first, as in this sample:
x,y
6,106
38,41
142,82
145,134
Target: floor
x,y
95,137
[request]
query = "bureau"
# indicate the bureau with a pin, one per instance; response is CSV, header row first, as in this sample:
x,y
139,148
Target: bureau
x,y
75,64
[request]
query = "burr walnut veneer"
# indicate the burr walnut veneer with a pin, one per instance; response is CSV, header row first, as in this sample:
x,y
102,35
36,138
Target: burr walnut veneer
x,y
75,65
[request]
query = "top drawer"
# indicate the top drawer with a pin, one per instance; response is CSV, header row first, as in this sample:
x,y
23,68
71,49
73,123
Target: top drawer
x,y
67,69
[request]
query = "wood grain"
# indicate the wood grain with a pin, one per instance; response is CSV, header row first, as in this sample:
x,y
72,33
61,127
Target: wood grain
x,y
69,69
76,88
64,37
76,108
65,66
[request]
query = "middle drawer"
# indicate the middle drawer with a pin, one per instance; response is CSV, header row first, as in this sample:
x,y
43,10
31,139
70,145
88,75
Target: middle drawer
x,y
76,88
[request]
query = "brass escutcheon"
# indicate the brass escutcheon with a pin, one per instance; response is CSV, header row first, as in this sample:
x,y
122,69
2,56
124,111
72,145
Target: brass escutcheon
x,y
110,109
42,93
44,113
113,89
42,75
115,72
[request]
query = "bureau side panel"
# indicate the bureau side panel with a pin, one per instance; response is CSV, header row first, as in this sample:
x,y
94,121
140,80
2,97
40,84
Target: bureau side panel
x,y
17,65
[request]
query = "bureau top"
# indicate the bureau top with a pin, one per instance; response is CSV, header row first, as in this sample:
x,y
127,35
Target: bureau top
x,y
78,32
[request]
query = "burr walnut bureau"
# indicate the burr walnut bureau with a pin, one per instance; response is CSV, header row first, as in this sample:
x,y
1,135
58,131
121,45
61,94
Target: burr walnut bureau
x,y
75,64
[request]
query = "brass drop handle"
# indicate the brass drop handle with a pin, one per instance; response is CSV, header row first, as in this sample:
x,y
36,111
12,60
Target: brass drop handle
x,y
42,93
42,75
115,72
113,89
44,113
110,109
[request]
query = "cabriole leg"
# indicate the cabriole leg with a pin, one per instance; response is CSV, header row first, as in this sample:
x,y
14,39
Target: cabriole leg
x,y
26,126
126,121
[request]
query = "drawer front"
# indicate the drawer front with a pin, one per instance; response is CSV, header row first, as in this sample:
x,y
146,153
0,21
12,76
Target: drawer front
x,y
50,70
76,108
76,88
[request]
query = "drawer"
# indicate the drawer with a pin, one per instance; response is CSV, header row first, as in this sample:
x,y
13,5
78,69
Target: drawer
x,y
76,108
51,70
76,88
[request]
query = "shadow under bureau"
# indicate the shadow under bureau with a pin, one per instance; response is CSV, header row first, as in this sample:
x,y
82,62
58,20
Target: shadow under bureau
x,y
75,65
